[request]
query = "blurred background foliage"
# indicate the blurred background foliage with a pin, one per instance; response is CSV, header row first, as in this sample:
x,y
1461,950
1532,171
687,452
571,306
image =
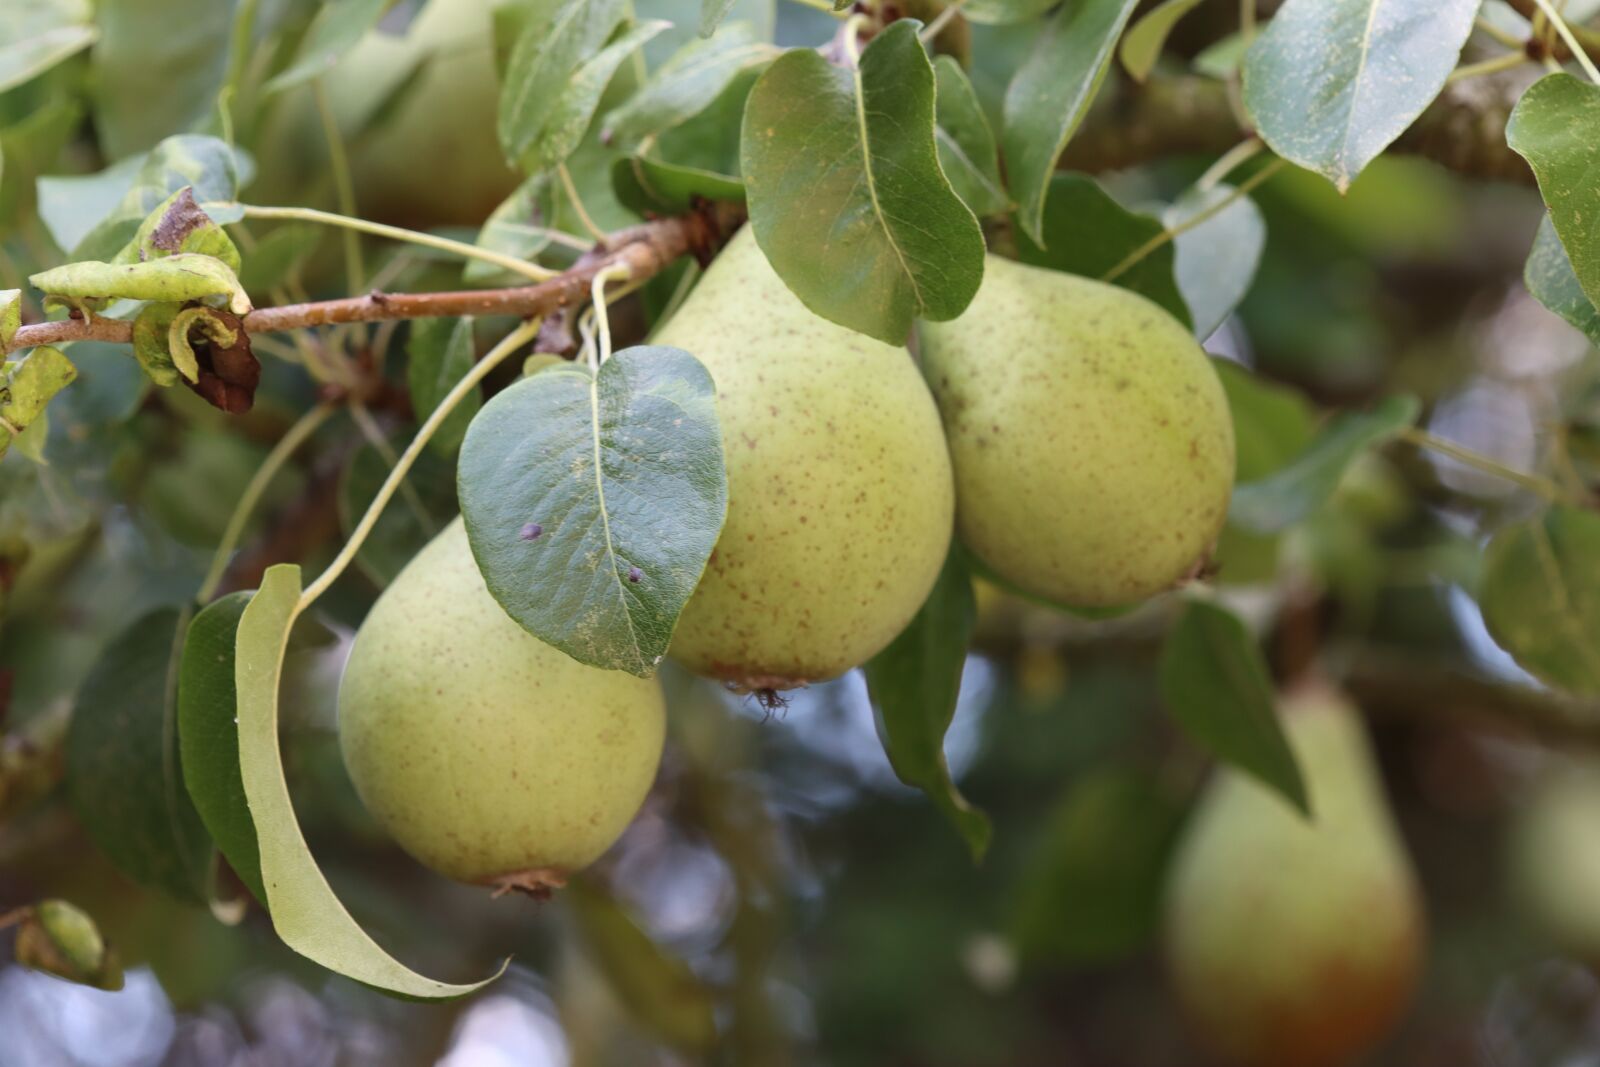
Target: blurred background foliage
x,y
781,887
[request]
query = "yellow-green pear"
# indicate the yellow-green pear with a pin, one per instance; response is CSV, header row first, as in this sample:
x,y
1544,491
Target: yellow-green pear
x,y
488,755
1296,943
840,502
1092,442
1554,861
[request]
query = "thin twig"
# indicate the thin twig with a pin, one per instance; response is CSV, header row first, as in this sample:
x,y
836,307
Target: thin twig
x,y
1240,191
1544,487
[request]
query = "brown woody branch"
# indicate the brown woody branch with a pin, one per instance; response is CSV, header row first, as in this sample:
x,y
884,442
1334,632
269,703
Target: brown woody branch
x,y
646,250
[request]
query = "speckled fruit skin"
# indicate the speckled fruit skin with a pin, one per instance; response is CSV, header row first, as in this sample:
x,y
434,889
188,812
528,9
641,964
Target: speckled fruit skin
x,y
487,754
840,501
1294,943
1092,442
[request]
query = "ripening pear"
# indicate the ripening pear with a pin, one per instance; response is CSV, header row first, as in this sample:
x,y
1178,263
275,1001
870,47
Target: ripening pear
x,y
488,755
1091,439
840,502
1554,861
1296,943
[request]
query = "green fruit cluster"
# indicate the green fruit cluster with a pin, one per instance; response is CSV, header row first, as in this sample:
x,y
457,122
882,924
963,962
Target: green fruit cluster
x,y
1085,449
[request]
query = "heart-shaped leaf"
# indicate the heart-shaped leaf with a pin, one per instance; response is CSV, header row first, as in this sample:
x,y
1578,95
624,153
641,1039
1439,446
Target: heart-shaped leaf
x,y
1330,83
305,912
845,190
592,502
1556,128
914,684
1051,93
1541,596
1551,280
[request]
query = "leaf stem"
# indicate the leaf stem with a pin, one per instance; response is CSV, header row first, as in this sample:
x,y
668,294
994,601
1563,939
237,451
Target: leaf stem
x,y
1544,487
577,203
825,6
286,446
597,293
1229,161
1247,21
508,344
1578,51
1495,32
850,38
396,233
1241,190
344,186
940,21
1493,65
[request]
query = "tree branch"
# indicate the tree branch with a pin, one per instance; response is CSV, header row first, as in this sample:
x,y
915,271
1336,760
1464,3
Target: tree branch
x,y
645,250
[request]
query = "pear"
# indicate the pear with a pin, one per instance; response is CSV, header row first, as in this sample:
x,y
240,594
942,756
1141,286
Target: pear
x,y
488,755
1295,942
1092,442
1554,865
840,500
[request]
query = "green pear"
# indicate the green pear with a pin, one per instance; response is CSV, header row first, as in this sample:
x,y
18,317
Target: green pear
x,y
488,755
1295,942
840,501
1092,442
1555,866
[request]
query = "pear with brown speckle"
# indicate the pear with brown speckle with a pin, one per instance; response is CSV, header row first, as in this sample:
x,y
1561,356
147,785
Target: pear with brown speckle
x,y
487,754
840,501
1092,442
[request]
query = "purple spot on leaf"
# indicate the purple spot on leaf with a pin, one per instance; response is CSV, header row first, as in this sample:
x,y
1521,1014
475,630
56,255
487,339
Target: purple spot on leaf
x,y
532,531
635,575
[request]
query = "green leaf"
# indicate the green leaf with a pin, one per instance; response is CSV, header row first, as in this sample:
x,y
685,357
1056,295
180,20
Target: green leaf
x,y
10,316
124,773
151,347
1550,278
1000,12
1330,83
179,225
208,736
425,505
520,226
1541,596
550,47
567,120
155,70
1222,59
712,12
35,35
966,144
175,278
1215,262
659,991
648,186
1086,232
1142,44
592,502
276,256
305,912
914,684
440,353
338,27
1050,95
1272,423
26,386
686,84
1291,494
1091,892
1215,682
31,442
846,195
1556,128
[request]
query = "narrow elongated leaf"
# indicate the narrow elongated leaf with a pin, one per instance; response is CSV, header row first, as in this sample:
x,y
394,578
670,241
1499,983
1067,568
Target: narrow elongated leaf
x,y
305,912
1551,280
37,34
569,117
174,278
845,191
686,84
1142,44
1215,262
1051,93
966,144
592,502
124,772
1215,682
1541,596
1282,499
1330,83
338,27
547,51
914,684
1556,128
649,186
1088,233
439,353
208,736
